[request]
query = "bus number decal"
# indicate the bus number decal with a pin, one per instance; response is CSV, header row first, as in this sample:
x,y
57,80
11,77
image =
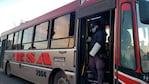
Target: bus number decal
x,y
40,73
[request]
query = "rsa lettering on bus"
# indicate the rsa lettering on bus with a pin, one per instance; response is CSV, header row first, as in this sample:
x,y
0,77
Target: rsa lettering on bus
x,y
44,58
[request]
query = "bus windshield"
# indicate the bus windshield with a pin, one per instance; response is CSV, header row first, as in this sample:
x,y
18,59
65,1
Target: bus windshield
x,y
143,30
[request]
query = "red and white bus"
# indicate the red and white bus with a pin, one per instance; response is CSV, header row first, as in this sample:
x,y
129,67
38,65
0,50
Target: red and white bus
x,y
52,48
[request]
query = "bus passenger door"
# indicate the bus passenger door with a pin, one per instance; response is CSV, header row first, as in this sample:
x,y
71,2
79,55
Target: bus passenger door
x,y
85,75
3,47
125,47
81,61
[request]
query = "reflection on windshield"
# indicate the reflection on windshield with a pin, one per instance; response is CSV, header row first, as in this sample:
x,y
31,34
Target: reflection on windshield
x,y
143,30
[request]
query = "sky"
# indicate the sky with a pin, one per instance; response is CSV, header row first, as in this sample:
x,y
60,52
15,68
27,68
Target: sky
x,y
13,12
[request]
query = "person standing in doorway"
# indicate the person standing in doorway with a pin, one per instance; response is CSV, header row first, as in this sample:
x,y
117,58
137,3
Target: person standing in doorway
x,y
97,51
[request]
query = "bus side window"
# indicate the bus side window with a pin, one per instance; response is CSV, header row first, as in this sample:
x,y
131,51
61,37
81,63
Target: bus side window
x,y
41,35
127,40
62,34
17,40
10,42
27,38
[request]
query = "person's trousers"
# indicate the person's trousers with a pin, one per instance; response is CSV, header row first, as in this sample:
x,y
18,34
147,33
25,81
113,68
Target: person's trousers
x,y
96,65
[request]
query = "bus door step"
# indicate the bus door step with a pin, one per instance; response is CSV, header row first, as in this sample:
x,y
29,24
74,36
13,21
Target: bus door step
x,y
92,81
95,82
90,75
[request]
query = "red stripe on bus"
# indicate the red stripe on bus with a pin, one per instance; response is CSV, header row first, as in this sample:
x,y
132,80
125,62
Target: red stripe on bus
x,y
126,79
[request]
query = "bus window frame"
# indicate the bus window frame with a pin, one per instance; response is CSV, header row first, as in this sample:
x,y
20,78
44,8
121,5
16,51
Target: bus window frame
x,y
31,43
7,46
47,37
19,40
71,26
134,47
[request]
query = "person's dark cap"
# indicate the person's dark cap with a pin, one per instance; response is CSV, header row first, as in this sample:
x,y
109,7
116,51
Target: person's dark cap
x,y
96,23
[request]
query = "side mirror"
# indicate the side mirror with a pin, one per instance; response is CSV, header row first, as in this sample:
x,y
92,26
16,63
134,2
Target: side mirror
x,y
144,11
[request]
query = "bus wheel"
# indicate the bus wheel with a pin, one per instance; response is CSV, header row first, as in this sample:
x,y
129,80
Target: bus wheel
x,y
60,78
8,69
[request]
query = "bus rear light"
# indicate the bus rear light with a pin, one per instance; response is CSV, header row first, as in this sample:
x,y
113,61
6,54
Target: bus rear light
x,y
70,77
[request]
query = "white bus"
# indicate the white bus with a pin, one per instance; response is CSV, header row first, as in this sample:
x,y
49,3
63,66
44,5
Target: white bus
x,y
52,48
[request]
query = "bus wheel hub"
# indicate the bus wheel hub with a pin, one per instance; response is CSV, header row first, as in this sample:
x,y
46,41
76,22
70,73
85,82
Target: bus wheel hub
x,y
62,81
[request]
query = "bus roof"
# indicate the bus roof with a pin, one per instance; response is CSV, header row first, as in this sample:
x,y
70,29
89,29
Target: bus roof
x,y
53,14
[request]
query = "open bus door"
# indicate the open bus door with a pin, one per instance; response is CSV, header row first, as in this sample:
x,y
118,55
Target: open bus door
x,y
81,77
3,47
84,75
0,52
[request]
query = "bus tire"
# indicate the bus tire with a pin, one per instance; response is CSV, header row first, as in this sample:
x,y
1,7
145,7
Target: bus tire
x,y
60,78
8,69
